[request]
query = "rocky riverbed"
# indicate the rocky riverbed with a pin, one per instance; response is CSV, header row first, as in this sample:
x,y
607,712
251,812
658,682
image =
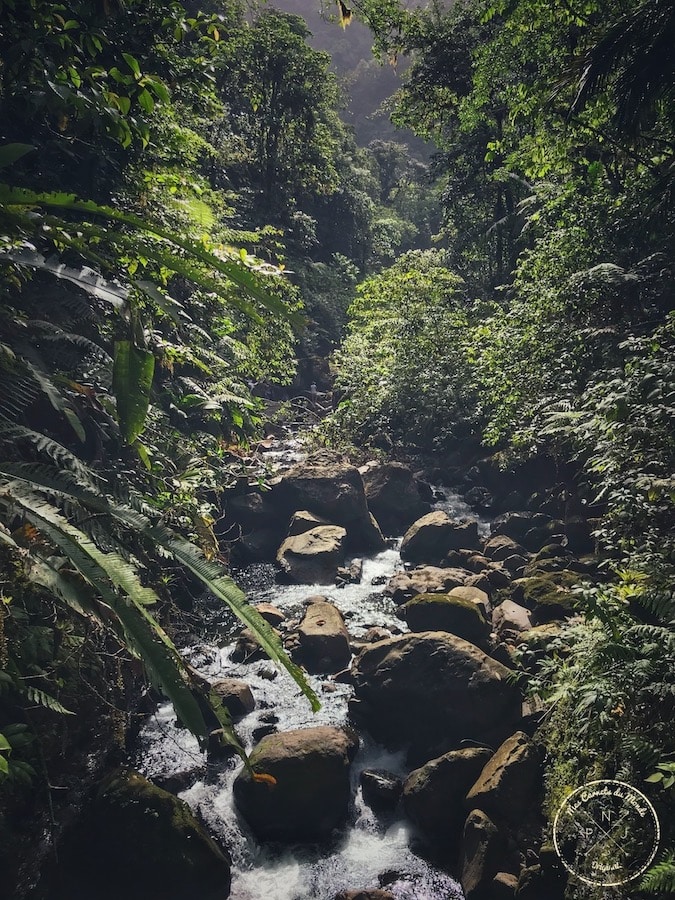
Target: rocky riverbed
x,y
421,761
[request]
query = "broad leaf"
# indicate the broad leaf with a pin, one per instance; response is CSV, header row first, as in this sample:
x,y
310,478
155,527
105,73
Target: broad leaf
x,y
133,370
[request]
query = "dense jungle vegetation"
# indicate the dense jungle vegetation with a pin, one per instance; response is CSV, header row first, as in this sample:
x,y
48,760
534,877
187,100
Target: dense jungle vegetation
x,y
187,224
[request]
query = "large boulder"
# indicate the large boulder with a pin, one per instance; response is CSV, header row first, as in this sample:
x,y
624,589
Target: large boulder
x,y
393,496
433,795
424,580
475,595
549,596
135,840
253,519
430,538
430,690
311,794
445,612
324,641
509,786
331,488
314,556
516,524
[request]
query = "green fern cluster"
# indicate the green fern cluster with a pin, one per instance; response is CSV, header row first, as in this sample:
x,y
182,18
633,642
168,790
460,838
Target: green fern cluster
x,y
85,529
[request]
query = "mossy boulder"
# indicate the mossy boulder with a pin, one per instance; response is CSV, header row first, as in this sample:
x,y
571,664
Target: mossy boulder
x,y
135,840
445,612
547,595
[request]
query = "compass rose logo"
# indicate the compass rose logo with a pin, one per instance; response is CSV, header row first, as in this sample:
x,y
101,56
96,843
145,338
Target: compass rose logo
x,y
606,833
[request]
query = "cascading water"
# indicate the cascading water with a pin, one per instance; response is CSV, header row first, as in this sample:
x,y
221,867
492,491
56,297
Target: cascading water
x,y
372,849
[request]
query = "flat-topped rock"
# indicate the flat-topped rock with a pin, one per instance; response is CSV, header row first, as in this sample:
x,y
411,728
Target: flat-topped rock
x,y
312,557
445,612
425,580
429,539
324,641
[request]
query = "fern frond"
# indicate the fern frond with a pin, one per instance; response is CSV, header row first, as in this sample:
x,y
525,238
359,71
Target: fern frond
x,y
60,455
42,698
660,879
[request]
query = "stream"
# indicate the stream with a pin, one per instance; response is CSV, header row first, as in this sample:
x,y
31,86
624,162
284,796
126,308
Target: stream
x,y
372,850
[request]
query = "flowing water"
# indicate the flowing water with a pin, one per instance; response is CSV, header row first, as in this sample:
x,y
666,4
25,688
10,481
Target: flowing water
x,y
370,846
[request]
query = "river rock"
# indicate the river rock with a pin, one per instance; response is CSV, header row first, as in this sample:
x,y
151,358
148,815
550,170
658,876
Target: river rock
x,y
302,521
270,613
393,496
548,596
508,788
312,790
381,790
324,642
579,534
235,695
351,574
504,886
482,856
433,795
475,595
135,840
430,538
247,649
500,547
510,616
515,524
314,556
424,580
431,690
534,883
445,612
331,488
253,519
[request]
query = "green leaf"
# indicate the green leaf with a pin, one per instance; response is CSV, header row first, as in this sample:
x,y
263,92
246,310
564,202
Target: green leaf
x,y
211,574
4,743
133,370
146,101
10,153
132,62
4,765
44,699
158,88
654,777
